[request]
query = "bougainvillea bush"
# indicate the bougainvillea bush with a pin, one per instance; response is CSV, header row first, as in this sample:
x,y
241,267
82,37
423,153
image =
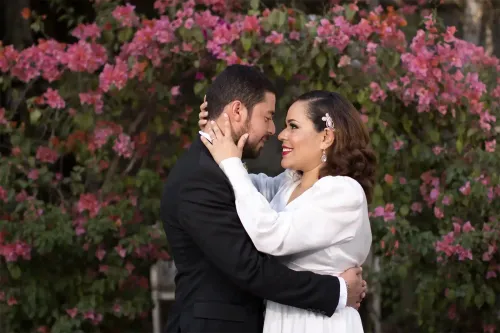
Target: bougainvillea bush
x,y
90,128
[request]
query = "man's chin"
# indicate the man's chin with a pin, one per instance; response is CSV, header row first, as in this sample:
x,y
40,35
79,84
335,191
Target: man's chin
x,y
251,152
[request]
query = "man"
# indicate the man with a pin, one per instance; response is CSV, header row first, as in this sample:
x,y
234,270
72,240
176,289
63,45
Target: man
x,y
222,279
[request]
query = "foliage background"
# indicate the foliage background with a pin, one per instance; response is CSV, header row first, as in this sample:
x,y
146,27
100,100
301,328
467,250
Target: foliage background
x,y
91,124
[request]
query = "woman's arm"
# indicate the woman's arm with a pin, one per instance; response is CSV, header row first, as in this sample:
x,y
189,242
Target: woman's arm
x,y
267,186
331,214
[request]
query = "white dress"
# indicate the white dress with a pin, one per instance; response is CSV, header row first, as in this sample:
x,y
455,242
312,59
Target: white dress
x,y
326,230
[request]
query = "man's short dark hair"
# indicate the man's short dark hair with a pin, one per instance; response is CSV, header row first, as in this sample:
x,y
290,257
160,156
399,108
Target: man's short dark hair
x,y
237,82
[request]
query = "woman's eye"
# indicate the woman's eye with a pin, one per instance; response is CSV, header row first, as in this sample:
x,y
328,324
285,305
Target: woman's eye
x,y
293,126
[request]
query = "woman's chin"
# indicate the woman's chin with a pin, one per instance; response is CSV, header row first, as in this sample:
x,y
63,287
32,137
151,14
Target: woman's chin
x,y
284,164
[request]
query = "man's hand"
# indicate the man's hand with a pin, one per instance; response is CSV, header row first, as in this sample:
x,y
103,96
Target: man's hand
x,y
356,286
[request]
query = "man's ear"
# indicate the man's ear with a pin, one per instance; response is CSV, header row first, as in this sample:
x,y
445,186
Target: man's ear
x,y
237,111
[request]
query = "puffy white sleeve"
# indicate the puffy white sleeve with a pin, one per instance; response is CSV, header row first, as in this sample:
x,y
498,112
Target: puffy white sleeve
x,y
330,214
267,186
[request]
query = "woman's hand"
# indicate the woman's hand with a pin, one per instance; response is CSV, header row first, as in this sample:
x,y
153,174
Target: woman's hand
x,y
223,146
203,115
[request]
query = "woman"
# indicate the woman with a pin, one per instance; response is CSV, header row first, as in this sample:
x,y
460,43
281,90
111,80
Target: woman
x,y
313,216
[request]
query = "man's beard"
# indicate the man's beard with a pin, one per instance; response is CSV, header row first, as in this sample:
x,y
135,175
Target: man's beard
x,y
250,150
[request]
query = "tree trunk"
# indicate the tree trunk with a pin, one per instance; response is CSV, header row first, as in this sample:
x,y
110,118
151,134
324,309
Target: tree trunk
x,y
473,21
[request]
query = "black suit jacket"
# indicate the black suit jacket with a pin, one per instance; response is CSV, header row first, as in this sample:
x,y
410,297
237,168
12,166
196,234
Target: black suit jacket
x,y
222,279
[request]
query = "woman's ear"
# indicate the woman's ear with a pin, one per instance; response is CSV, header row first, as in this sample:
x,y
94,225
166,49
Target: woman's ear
x,y
328,137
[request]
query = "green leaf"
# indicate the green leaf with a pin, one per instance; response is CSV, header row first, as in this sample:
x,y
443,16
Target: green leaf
x,y
434,135
349,13
84,120
378,192
375,140
254,4
490,296
15,271
321,60
198,87
404,210
198,36
278,68
35,116
459,145
479,300
246,42
471,132
281,19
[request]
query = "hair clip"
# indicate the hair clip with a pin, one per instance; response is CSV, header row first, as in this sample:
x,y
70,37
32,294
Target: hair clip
x,y
329,121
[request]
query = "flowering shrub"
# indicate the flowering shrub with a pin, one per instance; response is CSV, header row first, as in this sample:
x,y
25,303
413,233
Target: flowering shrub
x,y
92,127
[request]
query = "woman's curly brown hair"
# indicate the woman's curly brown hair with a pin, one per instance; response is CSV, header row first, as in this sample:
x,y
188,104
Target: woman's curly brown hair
x,y
350,154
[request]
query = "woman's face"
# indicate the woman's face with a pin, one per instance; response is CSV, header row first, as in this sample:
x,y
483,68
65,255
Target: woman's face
x,y
302,144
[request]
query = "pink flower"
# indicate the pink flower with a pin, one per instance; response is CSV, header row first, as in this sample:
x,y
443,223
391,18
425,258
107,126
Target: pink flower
x,y
11,301
392,85
344,61
438,212
100,253
437,150
72,312
125,15
377,92
275,38
3,194
371,47
189,23
124,146
175,91
92,98
88,202
116,76
121,251
294,35
46,155
466,189
490,145
53,99
3,120
467,227
446,200
389,179
464,253
84,31
33,174
251,24
129,267
397,145
117,308
85,57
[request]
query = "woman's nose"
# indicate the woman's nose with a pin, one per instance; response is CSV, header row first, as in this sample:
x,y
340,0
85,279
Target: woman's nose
x,y
281,136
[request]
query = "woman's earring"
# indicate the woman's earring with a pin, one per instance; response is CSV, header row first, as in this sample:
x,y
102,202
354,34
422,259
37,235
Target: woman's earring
x,y
323,157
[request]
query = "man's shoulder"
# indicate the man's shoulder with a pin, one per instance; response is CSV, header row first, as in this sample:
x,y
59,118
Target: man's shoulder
x,y
195,166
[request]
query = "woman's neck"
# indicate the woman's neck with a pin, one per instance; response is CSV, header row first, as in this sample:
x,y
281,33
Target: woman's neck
x,y
310,177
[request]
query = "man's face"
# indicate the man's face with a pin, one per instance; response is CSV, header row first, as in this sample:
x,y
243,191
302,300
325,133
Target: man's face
x,y
260,126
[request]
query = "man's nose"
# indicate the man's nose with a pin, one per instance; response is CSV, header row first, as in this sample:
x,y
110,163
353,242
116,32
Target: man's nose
x,y
272,128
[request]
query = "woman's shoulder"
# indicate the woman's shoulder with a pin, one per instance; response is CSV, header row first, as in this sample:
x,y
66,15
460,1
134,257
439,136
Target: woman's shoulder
x,y
342,187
